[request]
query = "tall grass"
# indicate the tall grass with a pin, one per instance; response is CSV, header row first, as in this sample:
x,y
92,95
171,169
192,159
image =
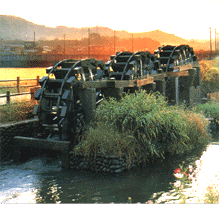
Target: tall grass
x,y
210,74
143,126
209,110
18,111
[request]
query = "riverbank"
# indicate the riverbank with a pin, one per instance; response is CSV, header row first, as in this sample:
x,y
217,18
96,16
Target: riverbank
x,y
153,175
41,179
29,128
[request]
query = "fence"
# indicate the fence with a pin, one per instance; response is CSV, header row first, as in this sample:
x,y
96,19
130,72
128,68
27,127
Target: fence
x,y
8,94
18,86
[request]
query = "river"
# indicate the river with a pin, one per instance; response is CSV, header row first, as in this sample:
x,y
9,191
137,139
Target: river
x,y
40,179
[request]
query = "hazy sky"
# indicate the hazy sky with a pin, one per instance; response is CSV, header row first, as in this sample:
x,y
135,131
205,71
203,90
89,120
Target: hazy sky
x,y
188,19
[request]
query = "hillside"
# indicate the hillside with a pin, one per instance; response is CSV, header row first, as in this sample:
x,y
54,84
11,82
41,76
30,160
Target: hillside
x,y
16,28
164,38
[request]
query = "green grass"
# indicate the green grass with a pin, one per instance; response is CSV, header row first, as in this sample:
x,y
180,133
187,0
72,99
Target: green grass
x,y
16,111
209,110
4,90
143,126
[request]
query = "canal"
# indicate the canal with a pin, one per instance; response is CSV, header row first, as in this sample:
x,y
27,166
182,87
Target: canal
x,y
40,179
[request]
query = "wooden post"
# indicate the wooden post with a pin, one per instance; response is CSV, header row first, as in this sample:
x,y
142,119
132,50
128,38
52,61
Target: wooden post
x,y
38,78
177,90
32,92
18,84
8,97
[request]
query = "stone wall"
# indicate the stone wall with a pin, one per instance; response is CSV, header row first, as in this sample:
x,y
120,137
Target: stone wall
x,y
29,128
100,163
8,131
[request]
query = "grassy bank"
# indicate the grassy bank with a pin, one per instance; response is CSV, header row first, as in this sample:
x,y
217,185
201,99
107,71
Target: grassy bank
x,y
210,74
143,126
16,111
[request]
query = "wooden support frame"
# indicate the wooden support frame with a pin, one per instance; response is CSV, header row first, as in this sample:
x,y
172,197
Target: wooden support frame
x,y
62,146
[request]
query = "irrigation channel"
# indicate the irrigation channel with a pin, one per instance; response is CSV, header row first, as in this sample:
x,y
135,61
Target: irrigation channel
x,y
40,178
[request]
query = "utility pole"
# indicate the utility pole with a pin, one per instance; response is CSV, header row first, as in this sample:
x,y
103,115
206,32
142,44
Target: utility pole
x,y
64,44
34,37
88,42
215,39
114,41
210,44
34,43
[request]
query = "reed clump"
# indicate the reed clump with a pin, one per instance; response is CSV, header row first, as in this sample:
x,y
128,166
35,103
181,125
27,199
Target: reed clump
x,y
144,127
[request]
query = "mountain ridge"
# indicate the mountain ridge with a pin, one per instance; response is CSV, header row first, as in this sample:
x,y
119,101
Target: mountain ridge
x,y
17,28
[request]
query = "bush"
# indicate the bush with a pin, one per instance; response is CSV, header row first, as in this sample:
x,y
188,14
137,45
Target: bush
x,y
143,126
210,74
209,110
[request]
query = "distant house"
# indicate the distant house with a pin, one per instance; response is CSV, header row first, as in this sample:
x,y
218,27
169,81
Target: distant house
x,y
12,48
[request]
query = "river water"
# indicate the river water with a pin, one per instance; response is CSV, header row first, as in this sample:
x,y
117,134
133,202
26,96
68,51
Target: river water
x,y
40,179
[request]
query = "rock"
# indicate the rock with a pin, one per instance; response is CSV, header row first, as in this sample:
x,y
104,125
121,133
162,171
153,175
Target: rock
x,y
81,164
106,161
115,167
115,161
117,171
113,156
99,162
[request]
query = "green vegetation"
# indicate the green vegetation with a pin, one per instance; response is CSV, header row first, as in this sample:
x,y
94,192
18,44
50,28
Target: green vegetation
x,y
4,90
16,111
144,127
210,74
209,110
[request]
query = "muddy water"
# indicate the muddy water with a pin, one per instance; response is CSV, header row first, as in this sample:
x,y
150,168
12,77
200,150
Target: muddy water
x,y
40,179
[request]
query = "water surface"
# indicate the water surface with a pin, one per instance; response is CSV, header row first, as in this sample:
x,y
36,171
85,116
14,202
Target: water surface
x,y
41,179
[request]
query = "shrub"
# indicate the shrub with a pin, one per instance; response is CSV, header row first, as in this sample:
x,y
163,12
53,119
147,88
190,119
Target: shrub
x,y
210,74
209,110
142,125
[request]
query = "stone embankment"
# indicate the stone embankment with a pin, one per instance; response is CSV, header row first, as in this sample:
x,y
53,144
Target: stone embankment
x,y
29,128
8,131
100,163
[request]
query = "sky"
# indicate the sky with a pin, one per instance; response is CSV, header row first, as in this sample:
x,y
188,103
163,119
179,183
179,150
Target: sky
x,y
189,19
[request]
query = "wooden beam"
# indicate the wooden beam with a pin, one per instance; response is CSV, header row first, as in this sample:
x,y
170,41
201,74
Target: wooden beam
x,y
62,146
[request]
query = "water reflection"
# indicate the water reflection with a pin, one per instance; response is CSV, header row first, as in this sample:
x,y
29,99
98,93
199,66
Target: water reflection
x,y
206,179
42,180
